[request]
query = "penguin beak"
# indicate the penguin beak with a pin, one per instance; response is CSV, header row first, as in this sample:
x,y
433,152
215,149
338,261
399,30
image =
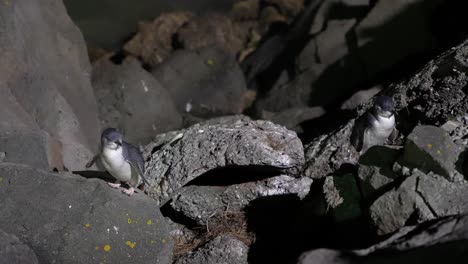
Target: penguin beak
x,y
118,143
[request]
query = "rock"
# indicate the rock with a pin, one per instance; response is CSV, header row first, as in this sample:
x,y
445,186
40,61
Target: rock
x,y
153,41
2,156
212,29
67,219
293,117
437,241
429,148
221,250
203,148
324,256
45,76
212,85
412,22
13,251
327,153
204,204
36,149
133,101
342,197
288,7
245,9
360,97
418,198
375,172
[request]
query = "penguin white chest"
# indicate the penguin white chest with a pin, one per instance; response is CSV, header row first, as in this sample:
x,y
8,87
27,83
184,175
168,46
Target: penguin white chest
x,y
116,165
382,127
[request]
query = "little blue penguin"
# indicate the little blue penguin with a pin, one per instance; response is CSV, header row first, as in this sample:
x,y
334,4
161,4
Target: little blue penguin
x,y
122,160
375,126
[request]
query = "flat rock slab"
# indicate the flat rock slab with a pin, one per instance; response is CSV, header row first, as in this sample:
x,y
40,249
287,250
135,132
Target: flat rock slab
x,y
68,219
206,203
205,147
430,148
418,198
12,250
221,250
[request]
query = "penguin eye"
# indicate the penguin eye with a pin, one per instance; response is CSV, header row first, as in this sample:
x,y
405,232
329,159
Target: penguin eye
x,y
119,143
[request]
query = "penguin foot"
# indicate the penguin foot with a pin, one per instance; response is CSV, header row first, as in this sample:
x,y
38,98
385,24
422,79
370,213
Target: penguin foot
x,y
114,185
129,192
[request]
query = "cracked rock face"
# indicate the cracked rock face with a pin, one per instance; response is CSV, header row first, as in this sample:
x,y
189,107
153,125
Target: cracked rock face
x,y
221,250
80,220
208,203
204,147
419,198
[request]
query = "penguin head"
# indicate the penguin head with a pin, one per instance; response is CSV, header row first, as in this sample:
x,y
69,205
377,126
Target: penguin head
x,y
384,106
111,138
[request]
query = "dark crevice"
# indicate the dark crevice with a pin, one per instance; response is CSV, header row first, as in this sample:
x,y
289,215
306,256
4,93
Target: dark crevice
x,y
89,174
234,175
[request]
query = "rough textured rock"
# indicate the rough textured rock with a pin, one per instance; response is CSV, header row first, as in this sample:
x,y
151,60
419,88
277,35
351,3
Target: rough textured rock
x,y
13,251
221,250
205,83
132,100
36,149
434,95
375,171
443,240
45,77
327,153
68,219
342,197
429,148
212,30
206,147
418,198
245,9
207,203
153,42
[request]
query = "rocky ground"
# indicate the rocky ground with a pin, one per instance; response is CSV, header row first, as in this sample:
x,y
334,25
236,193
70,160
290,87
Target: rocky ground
x,y
244,120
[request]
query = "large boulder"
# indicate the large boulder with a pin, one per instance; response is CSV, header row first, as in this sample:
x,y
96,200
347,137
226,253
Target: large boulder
x,y
45,78
419,198
204,147
12,250
68,219
203,204
132,100
206,83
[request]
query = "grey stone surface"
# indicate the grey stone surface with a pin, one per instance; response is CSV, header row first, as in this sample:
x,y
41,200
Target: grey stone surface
x,y
45,76
293,117
204,204
324,256
342,197
68,219
221,250
36,149
202,148
430,148
375,170
132,100
204,83
327,153
12,250
418,198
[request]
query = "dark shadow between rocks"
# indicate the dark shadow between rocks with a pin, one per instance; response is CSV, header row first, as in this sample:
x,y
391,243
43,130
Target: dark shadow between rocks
x,y
285,227
231,175
324,124
90,174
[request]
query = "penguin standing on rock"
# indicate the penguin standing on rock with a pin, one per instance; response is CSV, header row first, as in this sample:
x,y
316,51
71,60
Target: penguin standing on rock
x,y
122,160
375,126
